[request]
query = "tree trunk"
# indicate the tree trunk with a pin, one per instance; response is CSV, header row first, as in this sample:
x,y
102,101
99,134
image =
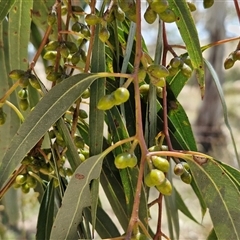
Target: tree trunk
x,y
209,119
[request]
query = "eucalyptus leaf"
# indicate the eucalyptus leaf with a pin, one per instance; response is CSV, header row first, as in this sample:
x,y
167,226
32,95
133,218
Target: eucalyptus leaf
x,y
71,153
52,106
188,31
5,7
76,197
182,206
212,235
12,123
232,172
96,116
224,106
19,23
40,11
179,126
172,216
220,194
46,213
105,227
113,189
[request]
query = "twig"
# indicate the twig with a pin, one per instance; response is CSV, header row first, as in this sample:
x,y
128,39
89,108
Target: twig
x,y
139,127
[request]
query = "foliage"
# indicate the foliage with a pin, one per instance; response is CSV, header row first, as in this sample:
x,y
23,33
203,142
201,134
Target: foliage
x,y
111,117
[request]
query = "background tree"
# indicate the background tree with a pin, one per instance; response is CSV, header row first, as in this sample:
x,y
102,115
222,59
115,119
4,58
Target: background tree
x,y
209,120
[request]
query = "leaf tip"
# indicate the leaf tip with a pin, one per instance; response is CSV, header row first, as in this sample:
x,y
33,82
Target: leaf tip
x,y
202,90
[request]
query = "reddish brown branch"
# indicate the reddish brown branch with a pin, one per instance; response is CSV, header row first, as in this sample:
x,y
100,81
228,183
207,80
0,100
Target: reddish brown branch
x,y
139,128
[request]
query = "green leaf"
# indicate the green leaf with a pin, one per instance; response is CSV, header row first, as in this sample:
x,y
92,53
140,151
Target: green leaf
x,y
71,153
40,11
12,123
96,116
212,235
97,90
77,196
128,176
151,119
5,7
220,194
199,196
112,186
172,217
118,132
172,210
232,172
176,83
179,125
188,31
224,106
19,23
46,213
182,206
179,120
104,224
47,111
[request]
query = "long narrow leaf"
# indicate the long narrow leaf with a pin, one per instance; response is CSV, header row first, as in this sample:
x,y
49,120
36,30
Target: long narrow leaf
x,y
47,111
46,213
232,172
128,176
105,227
118,131
71,153
115,195
77,197
188,31
12,123
176,83
151,119
182,206
179,126
221,196
40,11
5,7
224,106
96,116
212,235
19,23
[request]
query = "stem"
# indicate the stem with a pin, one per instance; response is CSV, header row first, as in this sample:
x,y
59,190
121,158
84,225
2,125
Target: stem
x,y
60,38
69,14
36,177
134,144
178,154
75,117
40,48
123,75
144,230
139,127
8,93
165,114
91,41
159,224
213,44
219,43
153,202
237,9
15,109
11,180
165,120
119,143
